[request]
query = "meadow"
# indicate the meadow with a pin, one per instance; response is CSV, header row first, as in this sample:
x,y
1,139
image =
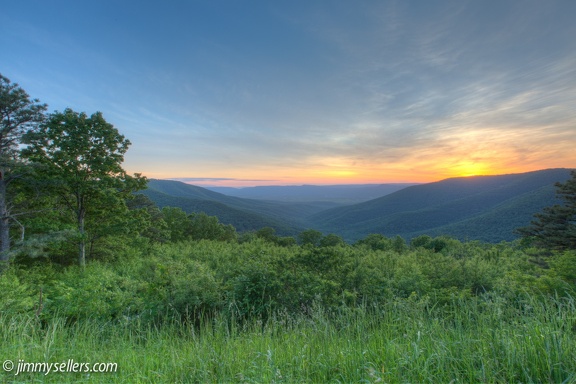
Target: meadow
x,y
257,312
485,340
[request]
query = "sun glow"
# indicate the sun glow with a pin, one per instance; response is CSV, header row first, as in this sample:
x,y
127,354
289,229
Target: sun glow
x,y
470,168
416,167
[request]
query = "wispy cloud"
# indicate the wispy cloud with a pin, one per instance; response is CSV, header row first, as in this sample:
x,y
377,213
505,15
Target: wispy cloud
x,y
221,181
364,89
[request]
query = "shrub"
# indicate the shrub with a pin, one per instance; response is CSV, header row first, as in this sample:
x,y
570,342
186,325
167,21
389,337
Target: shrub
x,y
17,296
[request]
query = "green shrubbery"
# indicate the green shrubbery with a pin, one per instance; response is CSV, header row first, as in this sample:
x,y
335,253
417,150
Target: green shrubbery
x,y
259,311
257,278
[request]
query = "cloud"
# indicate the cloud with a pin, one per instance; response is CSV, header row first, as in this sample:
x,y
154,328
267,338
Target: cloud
x,y
192,179
342,88
391,83
222,181
399,84
214,179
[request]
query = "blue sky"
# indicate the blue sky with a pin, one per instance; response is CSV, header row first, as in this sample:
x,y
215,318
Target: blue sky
x,y
292,92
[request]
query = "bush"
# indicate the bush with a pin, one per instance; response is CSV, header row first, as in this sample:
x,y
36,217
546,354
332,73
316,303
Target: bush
x,y
17,296
184,288
255,292
194,279
97,291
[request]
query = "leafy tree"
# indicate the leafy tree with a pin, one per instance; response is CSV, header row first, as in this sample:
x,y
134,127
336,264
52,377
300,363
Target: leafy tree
x,y
267,233
18,114
286,241
555,226
421,241
399,244
207,227
177,222
310,236
375,241
196,226
81,158
331,240
156,229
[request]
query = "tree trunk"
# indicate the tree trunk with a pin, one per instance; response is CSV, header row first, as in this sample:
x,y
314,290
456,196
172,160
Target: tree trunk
x,y
4,221
82,245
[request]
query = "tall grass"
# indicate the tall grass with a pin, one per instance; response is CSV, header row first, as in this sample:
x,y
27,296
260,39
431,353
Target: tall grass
x,y
487,339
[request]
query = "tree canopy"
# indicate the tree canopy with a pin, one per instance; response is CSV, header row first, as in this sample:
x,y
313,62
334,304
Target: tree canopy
x,y
82,160
18,114
555,226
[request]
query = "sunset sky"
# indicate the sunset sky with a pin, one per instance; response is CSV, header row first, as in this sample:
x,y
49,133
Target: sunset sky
x,y
309,92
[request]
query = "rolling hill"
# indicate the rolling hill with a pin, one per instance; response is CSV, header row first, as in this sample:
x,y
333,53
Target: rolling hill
x,y
342,194
486,208
243,214
242,220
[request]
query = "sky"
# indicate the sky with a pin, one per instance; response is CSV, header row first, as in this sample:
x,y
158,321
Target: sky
x,y
291,92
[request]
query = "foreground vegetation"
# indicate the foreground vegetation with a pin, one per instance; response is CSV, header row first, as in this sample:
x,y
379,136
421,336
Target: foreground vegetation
x,y
213,311
481,340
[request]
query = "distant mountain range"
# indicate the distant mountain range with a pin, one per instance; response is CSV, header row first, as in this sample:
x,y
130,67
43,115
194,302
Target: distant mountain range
x,y
243,214
341,194
486,208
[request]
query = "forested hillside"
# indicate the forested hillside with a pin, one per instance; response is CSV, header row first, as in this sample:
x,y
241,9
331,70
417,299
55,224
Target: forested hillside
x,y
487,208
287,218
241,218
341,194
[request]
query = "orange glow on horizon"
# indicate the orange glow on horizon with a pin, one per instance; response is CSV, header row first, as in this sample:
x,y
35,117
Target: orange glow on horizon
x,y
333,177
471,168
470,150
248,180
418,167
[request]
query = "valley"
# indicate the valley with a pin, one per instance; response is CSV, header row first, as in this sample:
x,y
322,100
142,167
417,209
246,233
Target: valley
x,y
486,208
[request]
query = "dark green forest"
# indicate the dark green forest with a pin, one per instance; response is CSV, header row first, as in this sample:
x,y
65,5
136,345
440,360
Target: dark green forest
x,y
486,208
96,267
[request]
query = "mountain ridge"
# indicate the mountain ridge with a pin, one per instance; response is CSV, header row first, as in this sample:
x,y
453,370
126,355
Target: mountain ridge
x,y
487,208
338,193
427,207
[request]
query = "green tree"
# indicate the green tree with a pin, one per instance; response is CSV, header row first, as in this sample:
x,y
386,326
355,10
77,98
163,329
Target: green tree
x,y
207,227
555,226
310,236
18,114
156,228
375,241
177,222
286,241
421,241
399,244
267,233
81,158
331,240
